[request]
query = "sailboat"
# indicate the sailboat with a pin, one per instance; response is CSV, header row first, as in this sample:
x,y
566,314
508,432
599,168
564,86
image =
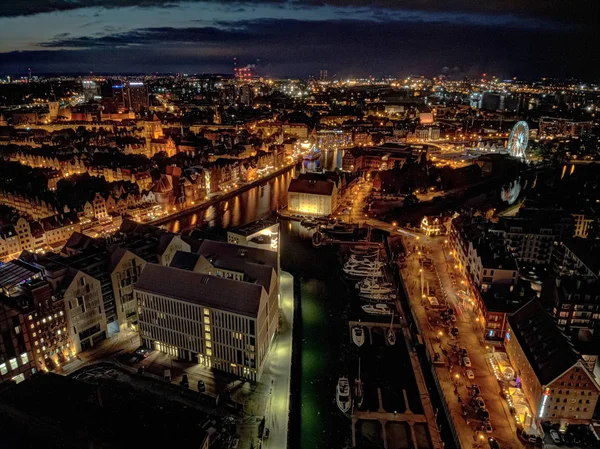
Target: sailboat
x,y
358,389
342,394
390,335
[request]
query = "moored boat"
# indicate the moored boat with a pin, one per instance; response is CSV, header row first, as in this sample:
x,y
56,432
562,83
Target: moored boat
x,y
391,337
376,297
358,336
358,389
342,394
362,272
377,309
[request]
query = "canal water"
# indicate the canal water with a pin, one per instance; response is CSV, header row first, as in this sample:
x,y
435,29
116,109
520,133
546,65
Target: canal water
x,y
326,303
255,203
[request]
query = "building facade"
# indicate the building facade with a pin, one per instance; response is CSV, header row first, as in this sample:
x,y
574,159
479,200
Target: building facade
x,y
217,322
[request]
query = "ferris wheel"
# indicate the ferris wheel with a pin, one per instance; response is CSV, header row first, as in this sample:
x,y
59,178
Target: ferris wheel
x,y
517,141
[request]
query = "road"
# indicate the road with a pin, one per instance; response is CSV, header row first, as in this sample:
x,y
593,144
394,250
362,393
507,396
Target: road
x,y
445,279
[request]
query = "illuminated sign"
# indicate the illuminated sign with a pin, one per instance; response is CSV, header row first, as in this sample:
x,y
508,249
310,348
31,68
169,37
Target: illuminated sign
x,y
136,84
508,336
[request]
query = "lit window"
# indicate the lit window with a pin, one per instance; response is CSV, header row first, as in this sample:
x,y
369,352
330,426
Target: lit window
x,y
208,344
209,352
206,328
206,312
206,320
61,313
13,364
24,358
30,317
207,336
59,332
32,326
3,369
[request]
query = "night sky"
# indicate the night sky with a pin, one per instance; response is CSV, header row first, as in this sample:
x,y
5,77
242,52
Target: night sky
x,y
523,38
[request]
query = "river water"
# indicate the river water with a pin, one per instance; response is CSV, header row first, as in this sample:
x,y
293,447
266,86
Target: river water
x,y
255,203
326,303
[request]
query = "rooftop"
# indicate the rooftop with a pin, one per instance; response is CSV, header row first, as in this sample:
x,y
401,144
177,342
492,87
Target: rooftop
x,y
202,289
311,186
549,351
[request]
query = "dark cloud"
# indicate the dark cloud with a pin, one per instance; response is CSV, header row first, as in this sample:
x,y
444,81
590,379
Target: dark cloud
x,y
574,12
346,47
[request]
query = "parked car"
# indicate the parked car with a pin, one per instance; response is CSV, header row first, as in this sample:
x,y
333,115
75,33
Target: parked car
x,y
555,437
201,386
479,402
467,362
487,426
454,331
476,390
493,443
267,433
470,374
483,414
462,351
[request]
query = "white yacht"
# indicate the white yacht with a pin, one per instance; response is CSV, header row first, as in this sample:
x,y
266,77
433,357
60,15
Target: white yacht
x,y
358,336
342,394
363,263
377,309
375,289
376,297
369,282
363,272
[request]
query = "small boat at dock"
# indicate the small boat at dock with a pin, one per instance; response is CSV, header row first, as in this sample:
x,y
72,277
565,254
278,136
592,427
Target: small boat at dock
x,y
342,394
377,309
358,336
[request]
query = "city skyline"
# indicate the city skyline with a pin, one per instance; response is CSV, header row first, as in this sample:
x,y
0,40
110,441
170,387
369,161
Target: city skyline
x,y
299,38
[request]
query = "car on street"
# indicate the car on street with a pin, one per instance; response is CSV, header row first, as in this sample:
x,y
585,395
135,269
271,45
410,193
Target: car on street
x,y
483,414
454,331
467,362
493,443
470,374
267,433
487,426
479,402
462,351
201,386
476,390
555,436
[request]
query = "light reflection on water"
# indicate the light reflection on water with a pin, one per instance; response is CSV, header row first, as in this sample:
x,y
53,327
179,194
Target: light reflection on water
x,y
253,204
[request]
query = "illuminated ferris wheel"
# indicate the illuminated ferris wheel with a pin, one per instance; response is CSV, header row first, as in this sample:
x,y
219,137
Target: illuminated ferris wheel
x,y
517,142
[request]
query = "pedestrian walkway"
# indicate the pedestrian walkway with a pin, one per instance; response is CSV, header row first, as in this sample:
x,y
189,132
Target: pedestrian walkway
x,y
451,378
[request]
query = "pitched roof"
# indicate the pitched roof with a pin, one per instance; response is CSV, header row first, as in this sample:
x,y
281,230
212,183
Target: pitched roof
x,y
210,291
311,186
549,352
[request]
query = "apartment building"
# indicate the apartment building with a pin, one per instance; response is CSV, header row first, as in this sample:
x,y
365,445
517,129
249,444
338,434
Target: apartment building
x,y
125,268
531,234
554,378
218,322
242,264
